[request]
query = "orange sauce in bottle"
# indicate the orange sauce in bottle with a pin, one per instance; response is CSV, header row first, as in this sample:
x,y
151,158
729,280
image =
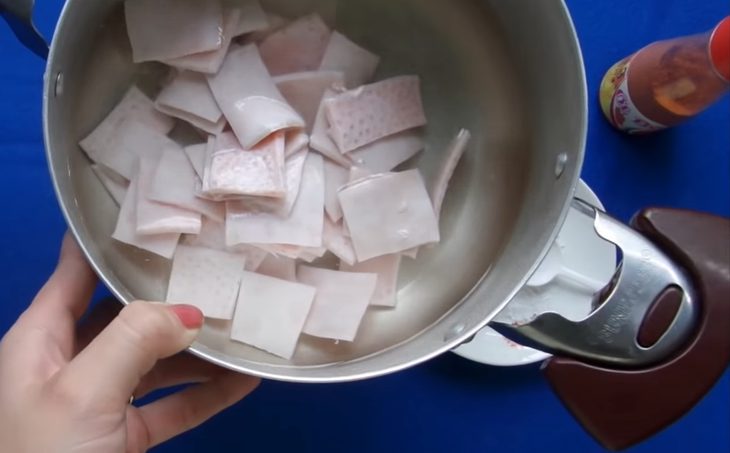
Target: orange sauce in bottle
x,y
668,82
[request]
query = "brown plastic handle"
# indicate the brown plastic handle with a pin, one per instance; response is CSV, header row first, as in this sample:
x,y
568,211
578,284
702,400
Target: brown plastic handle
x,y
622,408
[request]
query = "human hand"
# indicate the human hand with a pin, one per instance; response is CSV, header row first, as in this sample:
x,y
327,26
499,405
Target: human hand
x,y
67,389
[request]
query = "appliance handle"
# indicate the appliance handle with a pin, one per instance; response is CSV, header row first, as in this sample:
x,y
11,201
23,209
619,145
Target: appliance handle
x,y
19,16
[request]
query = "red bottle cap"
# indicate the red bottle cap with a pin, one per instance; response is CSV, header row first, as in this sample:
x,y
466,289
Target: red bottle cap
x,y
720,48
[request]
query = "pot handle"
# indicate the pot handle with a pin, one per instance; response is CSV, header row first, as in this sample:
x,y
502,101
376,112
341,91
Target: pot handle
x,y
621,407
19,15
625,329
659,337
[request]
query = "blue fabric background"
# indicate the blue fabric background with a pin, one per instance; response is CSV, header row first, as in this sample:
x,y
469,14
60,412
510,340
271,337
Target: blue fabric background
x,y
448,404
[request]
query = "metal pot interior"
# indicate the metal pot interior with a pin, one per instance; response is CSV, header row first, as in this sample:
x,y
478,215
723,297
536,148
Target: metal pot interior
x,y
510,74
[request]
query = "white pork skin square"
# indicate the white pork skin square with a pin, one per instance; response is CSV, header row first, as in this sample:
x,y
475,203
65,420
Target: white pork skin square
x,y
134,105
386,154
271,313
126,144
297,47
389,213
341,301
304,91
189,98
210,62
358,64
206,278
387,268
160,218
125,232
164,29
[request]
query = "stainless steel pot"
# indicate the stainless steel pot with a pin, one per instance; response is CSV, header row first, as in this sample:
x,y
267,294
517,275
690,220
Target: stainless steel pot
x,y
478,61
510,72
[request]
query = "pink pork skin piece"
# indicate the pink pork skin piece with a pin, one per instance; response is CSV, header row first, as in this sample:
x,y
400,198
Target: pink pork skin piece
x,y
387,267
302,228
270,313
163,245
235,172
451,160
297,47
159,218
371,112
249,99
389,213
166,29
304,91
210,62
357,64
340,303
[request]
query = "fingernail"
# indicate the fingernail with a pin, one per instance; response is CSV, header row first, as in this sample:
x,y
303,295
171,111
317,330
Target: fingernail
x,y
189,316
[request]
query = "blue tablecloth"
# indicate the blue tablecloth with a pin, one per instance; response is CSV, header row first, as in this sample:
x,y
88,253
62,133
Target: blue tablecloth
x,y
448,404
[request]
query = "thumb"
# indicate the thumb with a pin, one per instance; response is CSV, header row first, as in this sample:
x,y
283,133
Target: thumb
x,y
111,367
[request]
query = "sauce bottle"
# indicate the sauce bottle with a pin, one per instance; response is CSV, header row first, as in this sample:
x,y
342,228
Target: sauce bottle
x,y
668,82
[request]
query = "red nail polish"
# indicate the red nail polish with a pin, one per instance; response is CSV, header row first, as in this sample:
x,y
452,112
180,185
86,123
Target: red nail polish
x,y
191,317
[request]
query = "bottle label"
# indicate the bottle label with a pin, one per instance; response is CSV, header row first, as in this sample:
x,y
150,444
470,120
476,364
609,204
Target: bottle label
x,y
617,105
